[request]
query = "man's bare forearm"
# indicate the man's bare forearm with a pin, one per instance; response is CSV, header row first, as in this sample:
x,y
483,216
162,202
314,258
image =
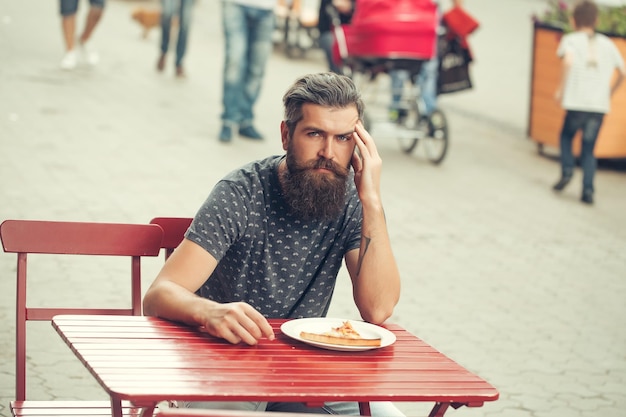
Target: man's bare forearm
x,y
378,281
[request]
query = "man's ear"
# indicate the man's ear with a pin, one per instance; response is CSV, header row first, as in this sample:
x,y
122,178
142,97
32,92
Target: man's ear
x,y
284,134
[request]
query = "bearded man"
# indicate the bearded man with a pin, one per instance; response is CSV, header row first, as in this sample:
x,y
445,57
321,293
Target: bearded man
x,y
269,240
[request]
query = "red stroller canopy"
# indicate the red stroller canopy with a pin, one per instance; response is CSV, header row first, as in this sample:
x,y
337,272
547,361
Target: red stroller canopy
x,y
396,29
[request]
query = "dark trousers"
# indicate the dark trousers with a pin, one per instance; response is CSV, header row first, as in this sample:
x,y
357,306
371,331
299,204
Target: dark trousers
x,y
589,123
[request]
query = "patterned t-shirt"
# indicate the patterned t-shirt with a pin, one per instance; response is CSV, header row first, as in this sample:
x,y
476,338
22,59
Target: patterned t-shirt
x,y
282,266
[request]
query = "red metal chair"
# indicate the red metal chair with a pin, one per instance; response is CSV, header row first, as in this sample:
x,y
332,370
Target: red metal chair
x,y
29,237
174,229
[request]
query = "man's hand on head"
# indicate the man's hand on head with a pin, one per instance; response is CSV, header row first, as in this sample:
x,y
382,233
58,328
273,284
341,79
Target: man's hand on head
x,y
367,164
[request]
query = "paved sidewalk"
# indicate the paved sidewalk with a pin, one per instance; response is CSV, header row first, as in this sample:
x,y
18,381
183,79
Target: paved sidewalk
x,y
519,285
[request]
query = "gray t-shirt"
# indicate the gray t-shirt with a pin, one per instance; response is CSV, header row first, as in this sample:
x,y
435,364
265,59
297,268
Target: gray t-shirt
x,y
282,266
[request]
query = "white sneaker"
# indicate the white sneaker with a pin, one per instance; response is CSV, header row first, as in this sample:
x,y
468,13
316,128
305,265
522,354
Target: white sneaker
x,y
90,56
70,60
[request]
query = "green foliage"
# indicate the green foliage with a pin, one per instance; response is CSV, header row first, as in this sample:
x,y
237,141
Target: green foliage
x,y
611,20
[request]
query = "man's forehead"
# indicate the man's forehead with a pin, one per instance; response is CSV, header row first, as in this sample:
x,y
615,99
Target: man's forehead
x,y
308,107
314,111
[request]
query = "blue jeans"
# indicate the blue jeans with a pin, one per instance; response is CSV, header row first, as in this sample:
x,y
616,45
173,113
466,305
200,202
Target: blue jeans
x,y
589,124
398,78
248,35
69,7
170,8
426,80
326,41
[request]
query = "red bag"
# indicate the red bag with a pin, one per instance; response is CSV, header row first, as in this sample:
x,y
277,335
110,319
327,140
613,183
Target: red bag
x,y
397,29
460,22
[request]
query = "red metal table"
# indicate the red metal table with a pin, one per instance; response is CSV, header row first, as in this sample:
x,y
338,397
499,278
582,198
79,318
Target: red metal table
x,y
146,360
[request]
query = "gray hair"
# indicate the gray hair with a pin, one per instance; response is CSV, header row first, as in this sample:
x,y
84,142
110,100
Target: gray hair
x,y
326,89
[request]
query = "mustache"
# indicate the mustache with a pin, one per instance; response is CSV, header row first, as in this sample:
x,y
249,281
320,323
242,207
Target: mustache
x,y
324,163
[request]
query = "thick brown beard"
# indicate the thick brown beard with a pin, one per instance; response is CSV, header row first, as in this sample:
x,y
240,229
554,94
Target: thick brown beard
x,y
311,195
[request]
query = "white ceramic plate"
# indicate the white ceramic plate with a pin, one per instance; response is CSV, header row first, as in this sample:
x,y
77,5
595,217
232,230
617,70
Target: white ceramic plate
x,y
292,328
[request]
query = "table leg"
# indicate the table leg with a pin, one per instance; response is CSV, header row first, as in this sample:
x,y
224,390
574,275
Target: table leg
x,y
148,411
116,407
364,409
439,409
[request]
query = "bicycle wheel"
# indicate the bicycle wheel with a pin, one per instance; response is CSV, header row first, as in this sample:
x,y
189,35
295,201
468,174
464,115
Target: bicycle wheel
x,y
409,135
436,141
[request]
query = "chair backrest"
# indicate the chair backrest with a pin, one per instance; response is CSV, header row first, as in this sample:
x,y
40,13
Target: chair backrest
x,y
174,229
25,237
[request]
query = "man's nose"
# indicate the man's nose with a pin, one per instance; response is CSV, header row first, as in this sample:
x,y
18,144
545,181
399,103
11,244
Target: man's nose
x,y
327,149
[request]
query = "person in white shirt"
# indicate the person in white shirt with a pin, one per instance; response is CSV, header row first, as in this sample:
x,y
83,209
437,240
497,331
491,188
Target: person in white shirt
x,y
589,63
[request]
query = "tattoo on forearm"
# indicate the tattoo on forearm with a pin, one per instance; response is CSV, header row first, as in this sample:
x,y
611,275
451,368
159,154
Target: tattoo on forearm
x,y
364,246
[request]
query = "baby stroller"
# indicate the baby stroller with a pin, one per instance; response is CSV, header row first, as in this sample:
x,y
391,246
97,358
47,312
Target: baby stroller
x,y
387,35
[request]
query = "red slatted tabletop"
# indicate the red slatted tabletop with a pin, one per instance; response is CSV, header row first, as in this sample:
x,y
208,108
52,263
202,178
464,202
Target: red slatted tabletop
x,y
147,360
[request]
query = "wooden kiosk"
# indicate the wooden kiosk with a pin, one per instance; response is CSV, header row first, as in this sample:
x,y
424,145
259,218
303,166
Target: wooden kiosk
x,y
546,115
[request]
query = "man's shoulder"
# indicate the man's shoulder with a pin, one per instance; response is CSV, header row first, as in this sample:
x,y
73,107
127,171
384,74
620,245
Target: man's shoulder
x,y
254,174
257,166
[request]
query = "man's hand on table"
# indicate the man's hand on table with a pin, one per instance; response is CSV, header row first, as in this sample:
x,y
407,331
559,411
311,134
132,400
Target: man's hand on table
x,y
236,322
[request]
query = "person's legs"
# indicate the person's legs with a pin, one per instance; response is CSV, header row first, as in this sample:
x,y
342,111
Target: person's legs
x,y
68,24
398,78
167,13
225,405
262,24
571,124
378,409
299,408
427,81
326,41
397,109
184,20
68,10
93,17
590,130
235,49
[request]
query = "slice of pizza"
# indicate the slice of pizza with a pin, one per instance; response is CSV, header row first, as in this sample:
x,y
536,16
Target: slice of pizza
x,y
342,335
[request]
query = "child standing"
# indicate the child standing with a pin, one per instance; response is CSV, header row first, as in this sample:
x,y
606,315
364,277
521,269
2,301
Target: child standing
x,y
589,62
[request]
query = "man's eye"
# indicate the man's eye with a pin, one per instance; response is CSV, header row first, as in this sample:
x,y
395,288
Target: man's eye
x,y
313,134
344,138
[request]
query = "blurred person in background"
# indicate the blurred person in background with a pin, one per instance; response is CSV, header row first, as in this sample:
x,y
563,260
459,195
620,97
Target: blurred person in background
x,y
248,28
341,9
426,79
169,9
73,54
589,61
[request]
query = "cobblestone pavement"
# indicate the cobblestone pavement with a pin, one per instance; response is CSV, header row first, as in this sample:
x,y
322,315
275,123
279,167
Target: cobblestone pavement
x,y
523,287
